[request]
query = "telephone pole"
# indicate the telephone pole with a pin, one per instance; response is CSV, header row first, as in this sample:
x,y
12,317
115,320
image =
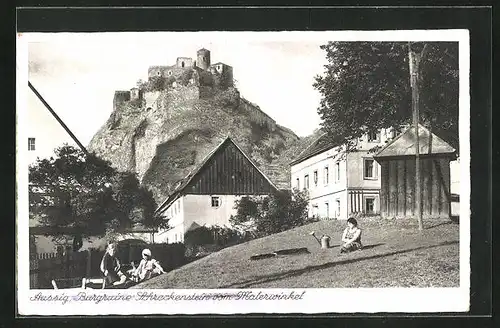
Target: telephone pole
x,y
414,61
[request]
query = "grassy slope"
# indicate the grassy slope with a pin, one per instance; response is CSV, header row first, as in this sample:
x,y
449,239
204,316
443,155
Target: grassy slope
x,y
396,255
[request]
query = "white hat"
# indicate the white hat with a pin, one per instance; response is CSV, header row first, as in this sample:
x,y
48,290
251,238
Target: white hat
x,y
146,252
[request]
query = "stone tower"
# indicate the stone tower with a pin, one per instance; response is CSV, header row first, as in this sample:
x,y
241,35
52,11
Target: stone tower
x,y
203,58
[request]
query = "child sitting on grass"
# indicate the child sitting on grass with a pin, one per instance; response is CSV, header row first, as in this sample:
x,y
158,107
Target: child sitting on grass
x,y
111,267
351,237
148,267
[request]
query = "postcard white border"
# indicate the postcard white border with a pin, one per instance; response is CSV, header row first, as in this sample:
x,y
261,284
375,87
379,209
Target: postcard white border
x,y
325,300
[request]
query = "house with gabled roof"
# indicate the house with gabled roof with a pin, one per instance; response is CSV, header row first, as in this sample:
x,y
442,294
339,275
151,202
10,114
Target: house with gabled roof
x,y
207,195
340,183
397,161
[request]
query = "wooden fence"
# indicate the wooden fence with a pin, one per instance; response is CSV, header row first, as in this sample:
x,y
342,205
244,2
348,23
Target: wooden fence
x,y
47,266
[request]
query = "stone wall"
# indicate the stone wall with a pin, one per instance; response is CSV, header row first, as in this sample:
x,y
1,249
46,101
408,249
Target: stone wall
x,y
188,62
257,115
167,71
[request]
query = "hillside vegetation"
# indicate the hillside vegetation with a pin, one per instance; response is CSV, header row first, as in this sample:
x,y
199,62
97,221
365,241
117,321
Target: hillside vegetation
x,y
164,143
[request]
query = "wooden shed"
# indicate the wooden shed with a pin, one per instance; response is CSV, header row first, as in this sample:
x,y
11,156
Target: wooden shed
x,y
397,161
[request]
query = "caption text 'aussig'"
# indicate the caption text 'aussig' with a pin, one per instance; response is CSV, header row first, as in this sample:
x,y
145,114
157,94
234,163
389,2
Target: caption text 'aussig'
x,y
144,296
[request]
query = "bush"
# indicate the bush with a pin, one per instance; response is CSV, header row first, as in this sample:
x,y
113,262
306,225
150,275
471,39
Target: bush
x,y
186,75
282,210
222,236
205,240
228,98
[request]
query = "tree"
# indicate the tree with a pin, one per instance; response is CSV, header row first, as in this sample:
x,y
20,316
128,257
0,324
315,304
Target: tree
x,y
75,190
366,87
280,211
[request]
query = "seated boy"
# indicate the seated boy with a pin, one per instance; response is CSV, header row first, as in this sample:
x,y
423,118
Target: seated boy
x,y
111,267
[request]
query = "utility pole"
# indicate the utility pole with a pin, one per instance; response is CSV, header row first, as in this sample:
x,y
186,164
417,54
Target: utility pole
x,y
414,61
58,118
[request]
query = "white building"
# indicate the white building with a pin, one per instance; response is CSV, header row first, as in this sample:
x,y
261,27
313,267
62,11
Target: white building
x,y
340,183
206,197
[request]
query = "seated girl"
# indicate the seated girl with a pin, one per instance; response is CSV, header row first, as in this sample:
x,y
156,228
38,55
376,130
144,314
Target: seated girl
x,y
148,267
111,267
351,237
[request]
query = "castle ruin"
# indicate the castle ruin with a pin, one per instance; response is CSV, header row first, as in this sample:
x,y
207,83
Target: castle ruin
x,y
188,80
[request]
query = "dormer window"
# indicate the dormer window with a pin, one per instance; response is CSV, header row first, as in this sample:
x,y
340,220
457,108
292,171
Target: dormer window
x,y
373,136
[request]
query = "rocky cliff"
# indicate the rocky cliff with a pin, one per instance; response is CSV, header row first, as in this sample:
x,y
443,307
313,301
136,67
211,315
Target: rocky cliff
x,y
165,135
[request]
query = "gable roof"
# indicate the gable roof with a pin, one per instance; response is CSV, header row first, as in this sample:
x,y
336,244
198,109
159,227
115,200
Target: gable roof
x,y
321,144
193,226
404,144
185,182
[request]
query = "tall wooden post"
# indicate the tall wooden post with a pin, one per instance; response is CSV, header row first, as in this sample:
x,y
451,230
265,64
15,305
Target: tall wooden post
x,y
65,127
414,61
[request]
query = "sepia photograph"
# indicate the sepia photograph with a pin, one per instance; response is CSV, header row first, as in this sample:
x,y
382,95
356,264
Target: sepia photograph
x,y
266,169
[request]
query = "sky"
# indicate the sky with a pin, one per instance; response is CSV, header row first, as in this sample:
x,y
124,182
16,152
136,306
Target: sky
x,y
78,73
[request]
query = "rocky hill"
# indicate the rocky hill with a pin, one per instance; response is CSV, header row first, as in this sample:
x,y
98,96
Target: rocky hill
x,y
165,133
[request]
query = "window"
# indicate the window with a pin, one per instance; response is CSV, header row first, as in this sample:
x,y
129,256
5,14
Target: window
x,y
315,210
327,210
297,183
370,205
169,72
306,181
325,175
215,201
373,136
337,171
337,212
370,169
31,144
315,176
182,64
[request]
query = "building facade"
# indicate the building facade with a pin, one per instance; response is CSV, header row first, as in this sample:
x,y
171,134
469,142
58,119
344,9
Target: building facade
x,y
340,183
206,197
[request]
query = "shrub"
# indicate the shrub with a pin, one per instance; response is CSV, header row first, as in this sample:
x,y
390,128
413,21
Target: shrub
x,y
186,75
280,211
209,239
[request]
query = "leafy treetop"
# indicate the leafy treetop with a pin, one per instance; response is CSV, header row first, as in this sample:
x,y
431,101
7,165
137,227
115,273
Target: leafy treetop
x,y
85,192
366,87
